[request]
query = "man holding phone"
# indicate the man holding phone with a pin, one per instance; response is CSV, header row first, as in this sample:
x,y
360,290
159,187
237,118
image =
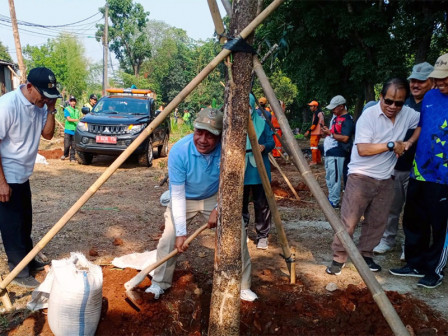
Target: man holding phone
x,y
25,115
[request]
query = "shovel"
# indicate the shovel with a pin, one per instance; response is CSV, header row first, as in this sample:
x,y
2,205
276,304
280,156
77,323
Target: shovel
x,y
135,281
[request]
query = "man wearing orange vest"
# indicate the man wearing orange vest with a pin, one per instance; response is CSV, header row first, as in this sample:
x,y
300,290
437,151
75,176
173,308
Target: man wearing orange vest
x,y
316,134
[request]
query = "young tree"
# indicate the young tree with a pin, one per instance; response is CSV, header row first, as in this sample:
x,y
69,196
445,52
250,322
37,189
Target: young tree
x,y
127,35
225,301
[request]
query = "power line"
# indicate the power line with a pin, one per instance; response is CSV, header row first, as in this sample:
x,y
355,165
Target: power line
x,y
25,23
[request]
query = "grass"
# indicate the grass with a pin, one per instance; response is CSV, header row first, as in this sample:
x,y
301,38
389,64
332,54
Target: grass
x,y
178,130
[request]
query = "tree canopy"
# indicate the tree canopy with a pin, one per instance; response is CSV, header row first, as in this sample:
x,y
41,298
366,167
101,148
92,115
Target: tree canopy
x,y
4,54
126,34
347,47
64,55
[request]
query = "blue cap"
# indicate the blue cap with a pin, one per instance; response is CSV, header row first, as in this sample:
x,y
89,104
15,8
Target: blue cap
x,y
421,71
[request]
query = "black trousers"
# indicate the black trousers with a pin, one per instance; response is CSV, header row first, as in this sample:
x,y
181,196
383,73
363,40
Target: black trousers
x,y
261,209
425,226
16,217
69,146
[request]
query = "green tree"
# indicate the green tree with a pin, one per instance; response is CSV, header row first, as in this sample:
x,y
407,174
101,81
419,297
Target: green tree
x,y
127,37
331,47
4,54
64,55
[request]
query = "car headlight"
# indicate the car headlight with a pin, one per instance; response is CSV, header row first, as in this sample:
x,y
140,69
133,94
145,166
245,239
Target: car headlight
x,y
82,126
134,129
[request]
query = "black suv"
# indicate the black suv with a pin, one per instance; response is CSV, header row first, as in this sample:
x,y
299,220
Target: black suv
x,y
115,121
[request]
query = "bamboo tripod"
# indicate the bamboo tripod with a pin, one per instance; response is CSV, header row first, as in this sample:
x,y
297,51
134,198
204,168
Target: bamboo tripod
x,y
123,156
378,294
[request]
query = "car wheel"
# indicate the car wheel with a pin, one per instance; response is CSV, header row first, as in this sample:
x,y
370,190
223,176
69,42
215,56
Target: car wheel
x,y
145,159
84,158
163,148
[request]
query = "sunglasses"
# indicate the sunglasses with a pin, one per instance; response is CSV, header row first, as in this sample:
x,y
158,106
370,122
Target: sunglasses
x,y
390,102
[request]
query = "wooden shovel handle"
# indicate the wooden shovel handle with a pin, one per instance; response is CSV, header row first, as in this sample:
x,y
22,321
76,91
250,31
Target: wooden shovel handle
x,y
135,281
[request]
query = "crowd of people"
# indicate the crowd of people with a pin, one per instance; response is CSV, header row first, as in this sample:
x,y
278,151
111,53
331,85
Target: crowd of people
x,y
398,157
394,155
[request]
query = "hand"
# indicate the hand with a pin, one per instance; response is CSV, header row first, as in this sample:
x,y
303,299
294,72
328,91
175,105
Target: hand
x,y
407,145
51,103
180,244
262,147
399,148
213,219
325,130
306,133
5,192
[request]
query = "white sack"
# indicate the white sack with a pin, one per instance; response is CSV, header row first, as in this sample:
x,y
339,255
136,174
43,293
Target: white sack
x,y
74,289
137,261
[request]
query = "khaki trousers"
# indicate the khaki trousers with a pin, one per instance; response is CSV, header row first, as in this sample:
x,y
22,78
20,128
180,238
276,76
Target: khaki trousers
x,y
163,275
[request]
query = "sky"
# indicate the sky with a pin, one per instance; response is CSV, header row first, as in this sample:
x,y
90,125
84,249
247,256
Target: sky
x,y
191,15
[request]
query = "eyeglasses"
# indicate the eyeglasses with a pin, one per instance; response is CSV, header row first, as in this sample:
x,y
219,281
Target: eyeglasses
x,y
389,102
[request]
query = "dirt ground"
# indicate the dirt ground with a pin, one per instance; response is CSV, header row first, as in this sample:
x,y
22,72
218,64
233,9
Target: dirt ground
x,y
125,216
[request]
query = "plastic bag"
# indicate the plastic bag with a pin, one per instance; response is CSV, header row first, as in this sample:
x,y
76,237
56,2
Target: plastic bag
x,y
137,261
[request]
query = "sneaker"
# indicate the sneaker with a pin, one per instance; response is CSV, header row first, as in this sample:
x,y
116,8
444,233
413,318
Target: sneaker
x,y
374,267
430,281
28,282
262,244
335,268
248,295
155,289
63,157
406,271
36,266
335,206
382,248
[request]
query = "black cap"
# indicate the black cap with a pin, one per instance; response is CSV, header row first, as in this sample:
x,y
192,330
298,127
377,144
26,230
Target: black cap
x,y
44,81
72,98
93,96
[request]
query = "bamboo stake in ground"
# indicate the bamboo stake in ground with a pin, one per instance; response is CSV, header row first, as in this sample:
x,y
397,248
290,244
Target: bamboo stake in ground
x,y
378,294
139,140
270,197
276,165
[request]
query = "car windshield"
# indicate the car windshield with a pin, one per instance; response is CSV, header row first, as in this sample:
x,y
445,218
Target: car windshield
x,y
122,106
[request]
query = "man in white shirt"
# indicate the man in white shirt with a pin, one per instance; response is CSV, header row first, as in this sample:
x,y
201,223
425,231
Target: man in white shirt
x,y
25,115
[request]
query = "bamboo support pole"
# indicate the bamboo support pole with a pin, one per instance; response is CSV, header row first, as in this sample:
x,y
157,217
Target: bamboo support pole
x,y
378,294
123,156
270,197
216,16
276,165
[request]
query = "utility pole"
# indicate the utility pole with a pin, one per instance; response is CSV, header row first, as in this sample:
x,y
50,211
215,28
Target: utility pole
x,y
15,31
105,47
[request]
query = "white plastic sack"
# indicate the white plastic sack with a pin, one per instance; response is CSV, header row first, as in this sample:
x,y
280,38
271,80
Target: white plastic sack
x,y
75,297
41,159
137,261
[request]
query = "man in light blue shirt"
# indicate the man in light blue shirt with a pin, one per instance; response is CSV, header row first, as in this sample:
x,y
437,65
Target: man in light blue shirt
x,y
193,170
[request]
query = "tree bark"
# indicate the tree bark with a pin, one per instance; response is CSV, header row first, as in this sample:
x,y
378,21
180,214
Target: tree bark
x,y
225,300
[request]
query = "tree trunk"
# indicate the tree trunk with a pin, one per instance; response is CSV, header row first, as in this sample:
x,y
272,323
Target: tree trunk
x,y
225,300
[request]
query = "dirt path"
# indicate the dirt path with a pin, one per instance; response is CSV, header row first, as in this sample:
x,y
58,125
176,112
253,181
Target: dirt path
x,y
126,216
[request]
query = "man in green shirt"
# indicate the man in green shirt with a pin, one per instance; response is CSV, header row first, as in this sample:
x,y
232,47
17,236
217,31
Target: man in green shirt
x,y
71,115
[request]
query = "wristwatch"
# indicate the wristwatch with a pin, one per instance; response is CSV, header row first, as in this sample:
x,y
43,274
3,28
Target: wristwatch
x,y
53,112
390,146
